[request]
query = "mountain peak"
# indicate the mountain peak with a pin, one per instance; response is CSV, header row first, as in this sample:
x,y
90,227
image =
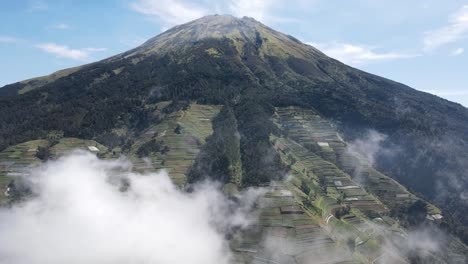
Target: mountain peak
x,y
212,26
222,19
241,32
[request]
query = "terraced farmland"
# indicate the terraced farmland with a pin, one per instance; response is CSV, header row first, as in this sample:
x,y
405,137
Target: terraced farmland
x,y
66,145
286,233
334,183
16,161
327,177
321,137
184,132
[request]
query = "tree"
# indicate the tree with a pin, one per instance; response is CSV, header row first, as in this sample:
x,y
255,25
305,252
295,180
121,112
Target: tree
x,y
43,153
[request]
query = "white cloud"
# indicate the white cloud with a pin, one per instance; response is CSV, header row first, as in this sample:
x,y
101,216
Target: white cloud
x,y
258,9
456,29
80,214
67,52
358,54
171,12
60,26
37,5
7,39
457,52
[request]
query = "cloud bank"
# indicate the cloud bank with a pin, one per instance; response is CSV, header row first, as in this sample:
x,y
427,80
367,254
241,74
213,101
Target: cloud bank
x,y
81,214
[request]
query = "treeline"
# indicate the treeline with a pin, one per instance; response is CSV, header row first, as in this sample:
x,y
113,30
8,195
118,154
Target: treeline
x,y
239,151
96,99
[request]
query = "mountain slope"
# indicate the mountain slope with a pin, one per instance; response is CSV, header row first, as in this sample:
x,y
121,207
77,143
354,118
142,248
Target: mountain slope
x,y
251,71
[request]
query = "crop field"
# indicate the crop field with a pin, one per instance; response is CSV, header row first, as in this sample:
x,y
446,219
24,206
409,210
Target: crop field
x,y
19,159
66,145
325,176
183,132
320,137
330,176
288,234
16,161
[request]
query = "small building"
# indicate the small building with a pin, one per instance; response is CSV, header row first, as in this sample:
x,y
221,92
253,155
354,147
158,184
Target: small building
x,y
437,216
434,217
93,149
402,195
348,187
285,193
338,183
323,144
150,132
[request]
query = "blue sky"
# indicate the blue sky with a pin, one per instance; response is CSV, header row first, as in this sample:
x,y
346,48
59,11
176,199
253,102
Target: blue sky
x,y
422,43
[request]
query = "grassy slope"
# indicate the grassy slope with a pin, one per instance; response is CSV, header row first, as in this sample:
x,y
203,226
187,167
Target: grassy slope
x,y
195,127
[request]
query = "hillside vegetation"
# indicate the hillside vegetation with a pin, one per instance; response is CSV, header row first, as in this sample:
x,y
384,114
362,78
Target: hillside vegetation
x,y
217,98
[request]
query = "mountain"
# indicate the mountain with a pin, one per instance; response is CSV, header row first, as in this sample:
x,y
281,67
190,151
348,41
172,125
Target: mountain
x,y
236,101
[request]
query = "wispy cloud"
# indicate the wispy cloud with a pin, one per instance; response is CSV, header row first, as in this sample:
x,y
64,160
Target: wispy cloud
x,y
37,5
4,39
67,52
60,26
358,54
454,31
258,9
173,12
457,52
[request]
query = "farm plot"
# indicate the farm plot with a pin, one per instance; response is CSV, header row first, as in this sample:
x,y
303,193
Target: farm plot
x,y
17,161
308,128
181,134
335,183
67,145
287,233
320,136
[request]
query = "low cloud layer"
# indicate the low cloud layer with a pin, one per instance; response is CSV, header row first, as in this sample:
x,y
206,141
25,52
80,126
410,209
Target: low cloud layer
x,y
81,215
369,146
